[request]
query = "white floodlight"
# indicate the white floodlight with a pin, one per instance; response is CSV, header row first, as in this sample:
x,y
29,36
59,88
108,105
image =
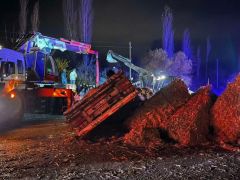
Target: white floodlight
x,y
161,77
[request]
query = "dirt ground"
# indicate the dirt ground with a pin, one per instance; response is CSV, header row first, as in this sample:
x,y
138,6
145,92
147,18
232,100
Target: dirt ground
x,y
49,150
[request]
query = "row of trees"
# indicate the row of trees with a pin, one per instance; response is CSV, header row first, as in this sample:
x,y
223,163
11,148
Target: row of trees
x,y
11,35
165,60
190,63
78,20
78,25
23,16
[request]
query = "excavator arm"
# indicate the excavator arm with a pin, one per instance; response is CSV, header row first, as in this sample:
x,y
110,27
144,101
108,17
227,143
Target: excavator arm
x,y
46,45
113,57
144,74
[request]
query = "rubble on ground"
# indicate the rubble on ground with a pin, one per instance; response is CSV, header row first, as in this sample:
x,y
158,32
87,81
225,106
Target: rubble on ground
x,y
50,151
226,114
155,113
189,125
172,115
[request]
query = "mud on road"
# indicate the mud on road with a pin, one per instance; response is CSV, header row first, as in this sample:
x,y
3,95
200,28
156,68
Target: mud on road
x,y
49,150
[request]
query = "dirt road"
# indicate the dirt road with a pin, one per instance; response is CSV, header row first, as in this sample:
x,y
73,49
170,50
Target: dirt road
x,y
49,150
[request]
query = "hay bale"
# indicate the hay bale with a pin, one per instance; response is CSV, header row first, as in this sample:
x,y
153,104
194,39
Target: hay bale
x,y
226,114
189,125
155,112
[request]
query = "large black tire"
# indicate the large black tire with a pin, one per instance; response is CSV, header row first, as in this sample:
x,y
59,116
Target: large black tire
x,y
11,111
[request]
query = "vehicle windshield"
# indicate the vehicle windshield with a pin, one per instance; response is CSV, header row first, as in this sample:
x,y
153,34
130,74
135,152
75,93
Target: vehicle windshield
x,y
6,69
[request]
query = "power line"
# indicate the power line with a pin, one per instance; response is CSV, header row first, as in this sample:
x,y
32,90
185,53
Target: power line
x,y
122,47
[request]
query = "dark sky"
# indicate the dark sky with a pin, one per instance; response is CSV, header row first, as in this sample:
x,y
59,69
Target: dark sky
x,y
116,22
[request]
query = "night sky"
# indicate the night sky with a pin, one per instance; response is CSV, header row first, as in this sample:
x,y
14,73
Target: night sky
x,y
116,22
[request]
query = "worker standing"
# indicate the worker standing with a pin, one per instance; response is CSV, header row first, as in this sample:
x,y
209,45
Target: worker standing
x,y
64,77
73,76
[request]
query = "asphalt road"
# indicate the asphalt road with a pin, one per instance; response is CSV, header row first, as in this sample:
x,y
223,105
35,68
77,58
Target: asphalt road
x,y
44,147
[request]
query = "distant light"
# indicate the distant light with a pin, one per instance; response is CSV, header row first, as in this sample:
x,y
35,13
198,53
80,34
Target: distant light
x,y
1,46
161,77
12,95
190,91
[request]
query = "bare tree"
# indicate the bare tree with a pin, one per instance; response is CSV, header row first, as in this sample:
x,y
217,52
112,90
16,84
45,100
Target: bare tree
x,y
78,18
87,69
238,70
86,18
6,36
217,72
167,32
186,44
35,17
198,62
70,12
208,50
23,16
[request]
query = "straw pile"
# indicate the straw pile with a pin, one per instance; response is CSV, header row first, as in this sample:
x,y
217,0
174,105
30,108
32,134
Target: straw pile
x,y
226,114
155,114
189,125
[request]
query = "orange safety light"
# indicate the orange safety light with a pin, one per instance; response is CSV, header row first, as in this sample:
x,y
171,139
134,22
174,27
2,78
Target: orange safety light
x,y
12,95
55,94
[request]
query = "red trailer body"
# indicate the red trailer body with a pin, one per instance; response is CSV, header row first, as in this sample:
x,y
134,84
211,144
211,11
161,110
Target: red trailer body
x,y
101,103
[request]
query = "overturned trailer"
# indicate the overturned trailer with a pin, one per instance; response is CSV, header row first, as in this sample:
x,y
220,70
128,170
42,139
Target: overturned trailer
x,y
100,103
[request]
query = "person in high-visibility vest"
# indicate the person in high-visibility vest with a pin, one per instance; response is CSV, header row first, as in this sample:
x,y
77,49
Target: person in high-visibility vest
x,y
73,76
64,77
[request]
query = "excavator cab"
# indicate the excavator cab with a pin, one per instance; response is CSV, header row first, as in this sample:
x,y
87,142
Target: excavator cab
x,y
12,66
41,66
51,70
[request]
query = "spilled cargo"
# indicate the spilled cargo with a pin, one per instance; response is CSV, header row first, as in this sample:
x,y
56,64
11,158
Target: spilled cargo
x,y
100,103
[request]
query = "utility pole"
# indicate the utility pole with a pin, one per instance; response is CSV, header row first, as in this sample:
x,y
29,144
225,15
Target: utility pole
x,y
130,57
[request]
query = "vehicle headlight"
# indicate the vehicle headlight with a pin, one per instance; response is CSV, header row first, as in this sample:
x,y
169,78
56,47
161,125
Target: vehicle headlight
x,y
161,77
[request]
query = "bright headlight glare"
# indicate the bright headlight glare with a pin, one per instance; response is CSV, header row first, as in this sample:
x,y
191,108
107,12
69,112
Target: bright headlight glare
x,y
161,77
12,95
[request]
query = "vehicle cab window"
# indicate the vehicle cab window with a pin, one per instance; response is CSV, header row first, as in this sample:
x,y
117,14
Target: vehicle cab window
x,y
7,68
20,66
49,68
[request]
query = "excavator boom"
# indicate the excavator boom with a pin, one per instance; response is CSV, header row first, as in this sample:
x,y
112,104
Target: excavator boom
x,y
144,74
113,57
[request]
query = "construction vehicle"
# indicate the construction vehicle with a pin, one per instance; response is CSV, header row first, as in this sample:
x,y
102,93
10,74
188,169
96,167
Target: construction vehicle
x,y
101,103
29,77
144,75
147,78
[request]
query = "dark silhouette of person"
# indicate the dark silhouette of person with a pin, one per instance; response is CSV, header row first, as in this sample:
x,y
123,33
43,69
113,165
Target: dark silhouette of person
x,y
31,75
110,73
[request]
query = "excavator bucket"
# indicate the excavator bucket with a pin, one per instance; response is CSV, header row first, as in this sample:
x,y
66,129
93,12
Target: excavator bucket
x,y
109,58
100,103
